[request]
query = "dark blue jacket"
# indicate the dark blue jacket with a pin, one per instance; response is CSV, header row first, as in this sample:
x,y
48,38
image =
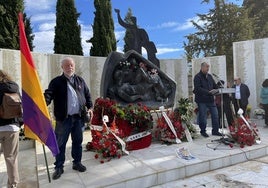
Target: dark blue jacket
x,y
57,91
203,83
244,93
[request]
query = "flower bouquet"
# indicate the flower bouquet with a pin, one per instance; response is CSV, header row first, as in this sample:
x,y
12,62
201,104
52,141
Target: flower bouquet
x,y
105,144
186,111
180,118
164,133
243,134
259,113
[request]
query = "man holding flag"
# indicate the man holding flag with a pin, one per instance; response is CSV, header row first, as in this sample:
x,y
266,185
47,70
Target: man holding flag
x,y
69,93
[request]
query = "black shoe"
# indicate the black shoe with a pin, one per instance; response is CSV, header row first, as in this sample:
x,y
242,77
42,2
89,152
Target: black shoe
x,y
217,134
204,134
58,172
79,167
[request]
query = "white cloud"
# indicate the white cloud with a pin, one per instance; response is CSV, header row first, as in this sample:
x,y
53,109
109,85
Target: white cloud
x,y
86,34
119,49
44,17
179,26
161,51
39,5
167,25
176,25
46,26
43,41
119,35
188,24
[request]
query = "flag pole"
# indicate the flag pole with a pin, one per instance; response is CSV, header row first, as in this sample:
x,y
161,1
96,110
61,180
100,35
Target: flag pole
x,y
45,156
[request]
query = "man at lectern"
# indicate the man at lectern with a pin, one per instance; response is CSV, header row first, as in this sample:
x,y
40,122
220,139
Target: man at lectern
x,y
204,90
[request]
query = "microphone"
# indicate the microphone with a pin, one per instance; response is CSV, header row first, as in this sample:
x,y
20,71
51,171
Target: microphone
x,y
215,75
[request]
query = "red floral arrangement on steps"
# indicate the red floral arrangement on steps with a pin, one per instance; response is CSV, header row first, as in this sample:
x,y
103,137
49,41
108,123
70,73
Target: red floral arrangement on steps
x,y
124,121
242,134
164,133
180,118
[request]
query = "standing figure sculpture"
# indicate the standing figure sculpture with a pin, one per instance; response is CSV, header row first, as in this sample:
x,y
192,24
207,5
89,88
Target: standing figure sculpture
x,y
140,38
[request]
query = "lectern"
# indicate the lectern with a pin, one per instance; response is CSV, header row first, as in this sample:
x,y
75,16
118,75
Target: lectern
x,y
222,91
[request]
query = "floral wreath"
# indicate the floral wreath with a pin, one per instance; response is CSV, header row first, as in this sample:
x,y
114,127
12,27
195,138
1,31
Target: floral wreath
x,y
244,133
180,117
124,122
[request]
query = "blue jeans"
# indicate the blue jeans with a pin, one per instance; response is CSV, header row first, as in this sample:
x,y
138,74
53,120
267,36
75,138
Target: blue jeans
x,y
75,126
202,110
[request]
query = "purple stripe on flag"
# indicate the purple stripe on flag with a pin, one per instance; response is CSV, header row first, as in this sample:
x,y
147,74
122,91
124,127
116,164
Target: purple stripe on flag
x,y
39,124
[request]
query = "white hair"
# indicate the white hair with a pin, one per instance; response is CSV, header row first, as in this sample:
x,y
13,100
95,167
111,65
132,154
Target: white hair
x,y
66,59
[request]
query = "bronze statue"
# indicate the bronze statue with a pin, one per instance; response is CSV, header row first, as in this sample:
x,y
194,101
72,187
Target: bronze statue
x,y
130,78
140,39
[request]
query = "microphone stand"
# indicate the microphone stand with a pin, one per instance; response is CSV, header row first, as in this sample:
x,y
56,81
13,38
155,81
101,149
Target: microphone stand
x,y
222,139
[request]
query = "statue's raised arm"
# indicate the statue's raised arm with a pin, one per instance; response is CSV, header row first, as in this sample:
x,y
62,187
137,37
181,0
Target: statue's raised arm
x,y
125,24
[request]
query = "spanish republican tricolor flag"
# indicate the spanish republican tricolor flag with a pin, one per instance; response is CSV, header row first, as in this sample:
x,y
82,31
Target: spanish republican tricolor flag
x,y
35,112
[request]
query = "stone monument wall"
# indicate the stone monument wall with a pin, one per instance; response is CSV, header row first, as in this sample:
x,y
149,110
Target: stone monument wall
x,y
251,65
90,68
176,69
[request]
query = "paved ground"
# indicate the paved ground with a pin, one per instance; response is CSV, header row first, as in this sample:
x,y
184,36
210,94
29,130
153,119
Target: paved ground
x,y
250,174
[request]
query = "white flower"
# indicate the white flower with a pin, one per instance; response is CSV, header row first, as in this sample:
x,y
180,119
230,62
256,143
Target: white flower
x,y
258,111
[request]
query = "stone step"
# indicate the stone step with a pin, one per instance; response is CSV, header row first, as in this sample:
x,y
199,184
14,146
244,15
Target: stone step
x,y
152,166
26,144
155,165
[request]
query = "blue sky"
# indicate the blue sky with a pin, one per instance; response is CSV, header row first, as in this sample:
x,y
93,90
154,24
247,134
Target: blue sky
x,y
166,22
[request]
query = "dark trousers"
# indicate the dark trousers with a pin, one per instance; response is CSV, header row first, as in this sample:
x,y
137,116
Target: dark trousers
x,y
202,115
72,125
265,107
228,113
237,104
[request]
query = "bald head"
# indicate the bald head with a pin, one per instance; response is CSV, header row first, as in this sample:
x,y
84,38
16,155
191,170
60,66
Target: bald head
x,y
237,81
204,67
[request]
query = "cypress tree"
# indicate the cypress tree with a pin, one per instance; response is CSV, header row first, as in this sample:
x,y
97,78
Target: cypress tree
x,y
224,24
67,30
9,30
103,40
258,10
